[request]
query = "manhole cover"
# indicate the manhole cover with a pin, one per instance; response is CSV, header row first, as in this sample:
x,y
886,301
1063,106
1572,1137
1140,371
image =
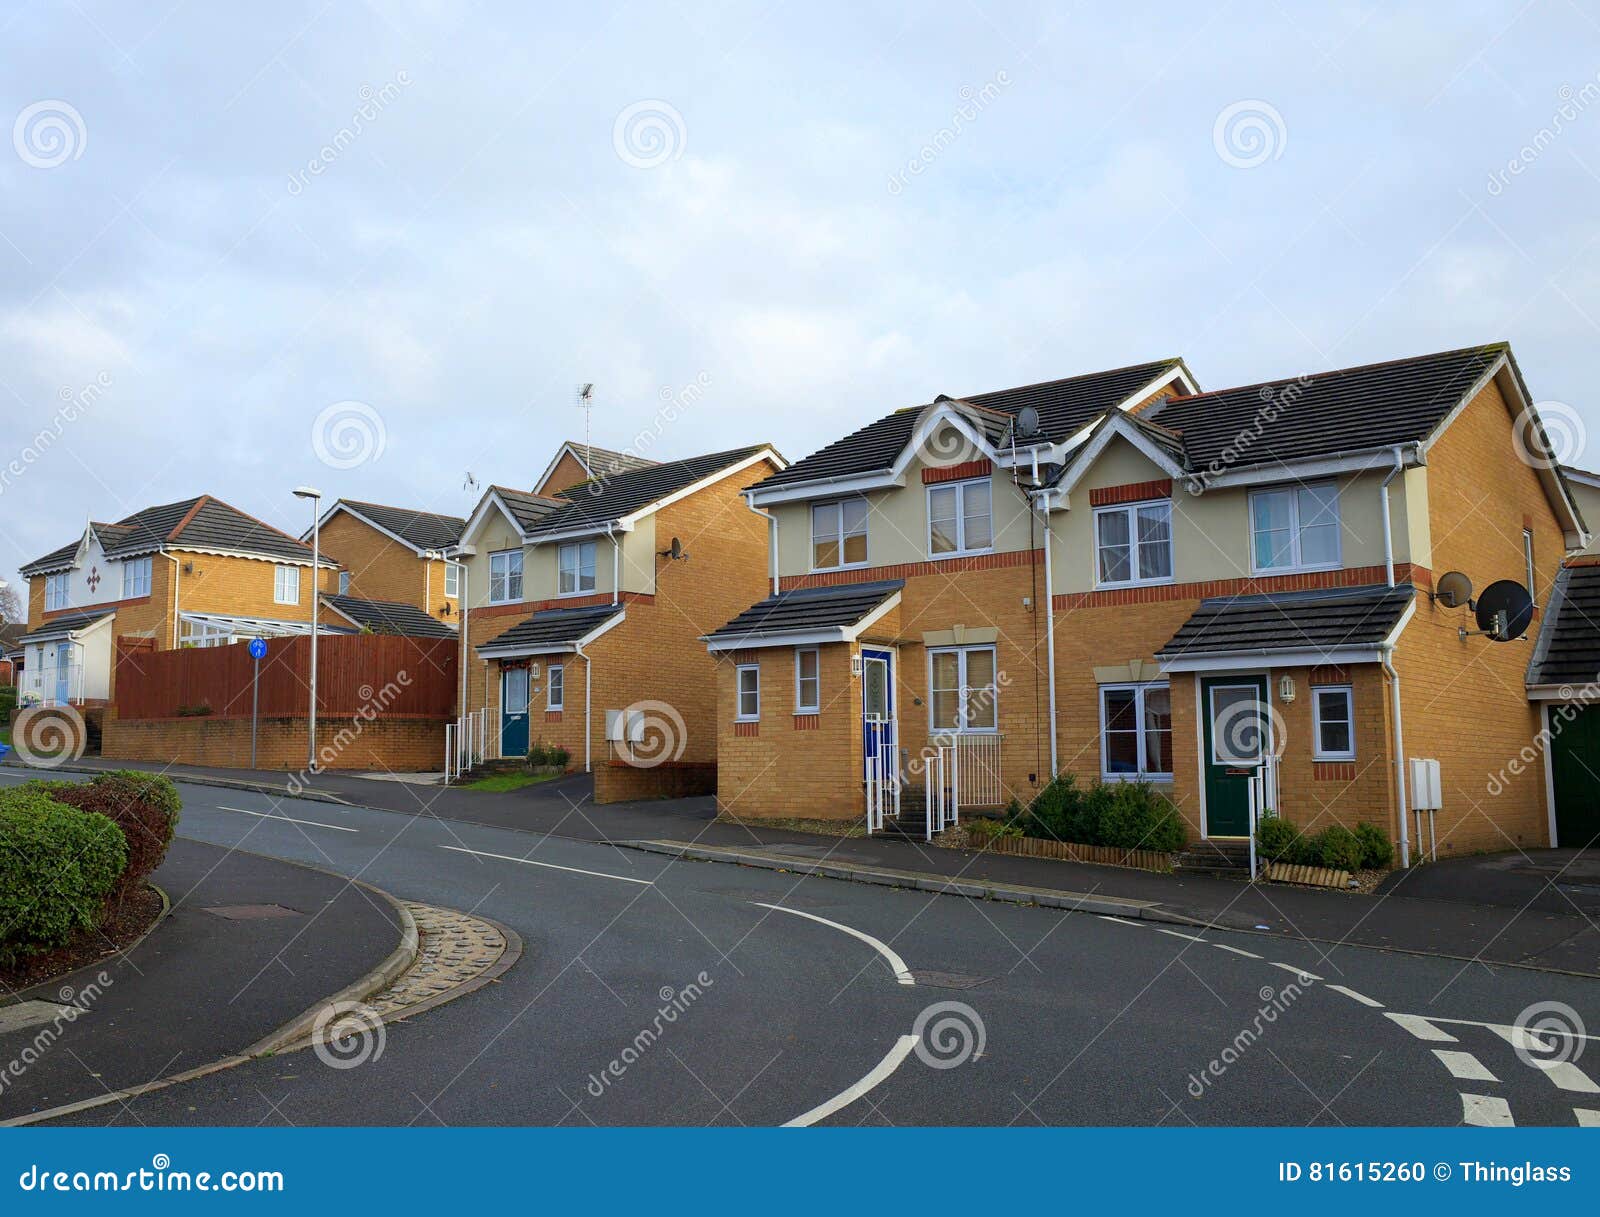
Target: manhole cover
x,y
252,912
947,980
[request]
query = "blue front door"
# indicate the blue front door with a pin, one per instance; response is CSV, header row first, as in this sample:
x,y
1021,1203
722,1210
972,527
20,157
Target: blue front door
x,y
877,709
514,712
63,672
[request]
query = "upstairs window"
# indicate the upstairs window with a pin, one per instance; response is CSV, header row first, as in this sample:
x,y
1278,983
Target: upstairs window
x,y
576,564
1295,528
1133,544
960,518
839,534
452,580
135,578
344,583
286,585
505,576
55,592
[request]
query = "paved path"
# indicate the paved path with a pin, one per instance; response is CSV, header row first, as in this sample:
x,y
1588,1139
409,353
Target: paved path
x,y
658,991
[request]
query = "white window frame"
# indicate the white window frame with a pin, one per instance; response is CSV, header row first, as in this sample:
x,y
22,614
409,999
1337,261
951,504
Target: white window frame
x,y
801,706
960,489
578,551
1144,773
452,580
739,716
555,687
135,577
344,583
837,507
56,591
1527,556
1296,564
963,690
1320,753
280,581
1131,510
504,556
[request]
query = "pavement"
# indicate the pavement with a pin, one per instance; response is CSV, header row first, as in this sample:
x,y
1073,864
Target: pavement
x,y
661,991
200,986
1529,909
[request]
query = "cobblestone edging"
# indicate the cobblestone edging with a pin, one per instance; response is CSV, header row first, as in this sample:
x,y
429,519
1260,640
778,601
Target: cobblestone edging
x,y
458,953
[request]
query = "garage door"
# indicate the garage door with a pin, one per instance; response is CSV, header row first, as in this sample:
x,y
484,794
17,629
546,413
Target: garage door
x,y
1575,774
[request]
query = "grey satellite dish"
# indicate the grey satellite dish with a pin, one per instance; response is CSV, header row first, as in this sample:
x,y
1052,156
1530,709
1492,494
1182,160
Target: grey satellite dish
x,y
1455,590
673,551
1027,421
1504,610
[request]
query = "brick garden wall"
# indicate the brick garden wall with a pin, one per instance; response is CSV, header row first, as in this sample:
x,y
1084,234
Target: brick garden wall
x,y
400,745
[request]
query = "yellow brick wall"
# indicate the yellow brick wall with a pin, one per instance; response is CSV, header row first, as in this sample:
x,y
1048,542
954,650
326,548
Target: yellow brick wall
x,y
400,745
567,473
1463,701
382,568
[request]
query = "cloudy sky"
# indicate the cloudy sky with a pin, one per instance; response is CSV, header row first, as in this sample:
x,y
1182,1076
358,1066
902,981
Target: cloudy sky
x,y
375,247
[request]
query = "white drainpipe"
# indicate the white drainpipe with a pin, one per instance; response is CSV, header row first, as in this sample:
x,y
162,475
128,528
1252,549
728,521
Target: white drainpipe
x,y
1049,631
1386,650
772,540
1388,536
616,567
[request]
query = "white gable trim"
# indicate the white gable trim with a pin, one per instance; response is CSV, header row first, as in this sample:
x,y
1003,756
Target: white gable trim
x,y
626,523
1111,426
491,499
567,449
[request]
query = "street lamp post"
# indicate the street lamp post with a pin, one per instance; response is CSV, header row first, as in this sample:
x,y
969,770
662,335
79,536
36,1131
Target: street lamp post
x,y
465,603
307,492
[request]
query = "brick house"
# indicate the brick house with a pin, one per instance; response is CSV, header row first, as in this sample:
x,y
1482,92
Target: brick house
x,y
575,463
192,573
1231,576
393,555
586,609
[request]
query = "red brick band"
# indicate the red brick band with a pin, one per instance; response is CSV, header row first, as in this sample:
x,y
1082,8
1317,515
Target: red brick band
x,y
912,570
1132,492
747,729
807,722
957,473
527,608
1333,771
1355,576
1330,674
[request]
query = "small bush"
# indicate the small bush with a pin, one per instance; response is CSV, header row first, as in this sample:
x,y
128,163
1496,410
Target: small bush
x,y
1376,851
982,830
1277,840
538,754
1128,815
559,757
1341,849
144,806
57,867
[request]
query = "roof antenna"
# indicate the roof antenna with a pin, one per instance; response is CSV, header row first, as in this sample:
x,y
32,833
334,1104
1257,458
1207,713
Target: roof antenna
x,y
471,482
586,404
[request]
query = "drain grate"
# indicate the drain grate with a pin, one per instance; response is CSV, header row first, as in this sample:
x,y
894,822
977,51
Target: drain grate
x,y
252,912
948,980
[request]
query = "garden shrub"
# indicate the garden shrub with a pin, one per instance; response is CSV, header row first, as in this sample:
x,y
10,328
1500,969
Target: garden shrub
x,y
1340,848
57,867
144,806
1277,840
982,830
1376,851
538,754
559,757
1128,815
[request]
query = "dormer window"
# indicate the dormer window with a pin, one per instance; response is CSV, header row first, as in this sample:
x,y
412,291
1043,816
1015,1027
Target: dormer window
x,y
839,534
960,518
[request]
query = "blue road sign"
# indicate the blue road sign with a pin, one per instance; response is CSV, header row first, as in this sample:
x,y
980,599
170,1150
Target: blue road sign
x,y
258,648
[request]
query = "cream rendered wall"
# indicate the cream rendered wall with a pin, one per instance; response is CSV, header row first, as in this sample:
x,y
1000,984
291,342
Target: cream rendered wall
x,y
541,562
1588,500
897,522
495,533
1211,531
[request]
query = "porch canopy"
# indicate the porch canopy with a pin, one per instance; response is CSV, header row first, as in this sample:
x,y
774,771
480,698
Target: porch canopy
x,y
808,616
1333,626
67,625
1566,659
553,632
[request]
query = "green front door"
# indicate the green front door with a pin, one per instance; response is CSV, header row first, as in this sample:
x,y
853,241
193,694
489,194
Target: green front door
x,y
1234,710
1575,775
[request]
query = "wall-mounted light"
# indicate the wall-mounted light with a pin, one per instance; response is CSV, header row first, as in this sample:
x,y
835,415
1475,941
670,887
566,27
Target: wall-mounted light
x,y
1286,688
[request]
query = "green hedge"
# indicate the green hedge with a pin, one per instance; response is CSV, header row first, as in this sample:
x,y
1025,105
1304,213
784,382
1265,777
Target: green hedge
x,y
1127,815
57,867
1366,847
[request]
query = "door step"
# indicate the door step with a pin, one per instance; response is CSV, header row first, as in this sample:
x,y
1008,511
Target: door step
x,y
1214,857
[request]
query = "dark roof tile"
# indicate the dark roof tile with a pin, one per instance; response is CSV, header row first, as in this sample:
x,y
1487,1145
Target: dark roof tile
x,y
419,529
1285,621
551,628
388,617
807,609
1568,651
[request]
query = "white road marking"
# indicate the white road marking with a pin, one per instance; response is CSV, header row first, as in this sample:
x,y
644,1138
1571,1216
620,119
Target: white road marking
x,y
1421,1028
1354,996
1119,920
1464,1065
576,870
267,815
901,972
1586,1117
897,1055
1222,946
1175,934
1486,1111
1509,1034
1300,972
1567,1076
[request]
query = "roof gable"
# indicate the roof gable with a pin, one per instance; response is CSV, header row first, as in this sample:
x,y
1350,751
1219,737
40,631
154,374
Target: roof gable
x,y
420,530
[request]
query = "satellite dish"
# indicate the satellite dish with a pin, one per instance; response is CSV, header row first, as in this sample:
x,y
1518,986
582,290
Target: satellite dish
x,y
1455,590
673,551
1504,610
1028,421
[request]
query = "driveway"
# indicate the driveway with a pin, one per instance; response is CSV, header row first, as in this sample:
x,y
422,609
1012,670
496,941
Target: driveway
x,y
1562,881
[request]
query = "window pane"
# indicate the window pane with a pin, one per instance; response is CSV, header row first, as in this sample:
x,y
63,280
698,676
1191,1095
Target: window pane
x,y
854,512
1238,736
1319,505
944,709
1157,730
1122,751
976,510
825,554
1335,737
980,669
855,548
1155,541
942,536
586,567
946,670
1112,529
1319,546
980,707
1120,709
942,504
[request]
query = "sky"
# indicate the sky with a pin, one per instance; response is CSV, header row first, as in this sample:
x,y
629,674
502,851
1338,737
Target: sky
x,y
376,247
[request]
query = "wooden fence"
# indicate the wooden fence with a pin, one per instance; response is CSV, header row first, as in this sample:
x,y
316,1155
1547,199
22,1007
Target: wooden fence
x,y
392,676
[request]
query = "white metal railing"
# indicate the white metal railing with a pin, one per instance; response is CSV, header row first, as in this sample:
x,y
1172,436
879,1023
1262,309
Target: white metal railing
x,y
469,741
46,683
943,807
975,768
883,779
1263,788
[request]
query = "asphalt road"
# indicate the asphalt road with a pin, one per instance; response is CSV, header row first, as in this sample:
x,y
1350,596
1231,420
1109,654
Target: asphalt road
x,y
799,1012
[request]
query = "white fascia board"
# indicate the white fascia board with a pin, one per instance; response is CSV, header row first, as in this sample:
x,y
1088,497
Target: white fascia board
x,y
579,533
341,505
1244,661
1393,636
1557,693
1262,475
323,562
1176,372
944,413
1582,476
826,488
792,638
490,501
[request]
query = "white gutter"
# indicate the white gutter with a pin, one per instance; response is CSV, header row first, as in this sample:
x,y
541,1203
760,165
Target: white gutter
x,y
1049,632
1388,536
1386,650
772,538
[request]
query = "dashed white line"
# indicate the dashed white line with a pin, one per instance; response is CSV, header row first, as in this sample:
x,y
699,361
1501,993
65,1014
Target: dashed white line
x,y
1486,1111
901,972
1567,1076
1354,996
1464,1065
1176,934
1421,1028
1222,946
1300,972
576,870
1120,920
897,1055
267,815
